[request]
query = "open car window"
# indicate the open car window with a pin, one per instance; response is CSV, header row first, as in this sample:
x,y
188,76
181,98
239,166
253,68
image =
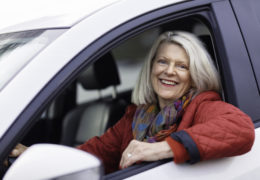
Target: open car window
x,y
63,116
129,57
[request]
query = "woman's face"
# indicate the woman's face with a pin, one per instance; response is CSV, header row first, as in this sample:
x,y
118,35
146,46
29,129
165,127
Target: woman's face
x,y
170,73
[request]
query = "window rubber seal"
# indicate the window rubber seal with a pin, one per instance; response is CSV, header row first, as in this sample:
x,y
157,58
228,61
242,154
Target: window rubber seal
x,y
135,169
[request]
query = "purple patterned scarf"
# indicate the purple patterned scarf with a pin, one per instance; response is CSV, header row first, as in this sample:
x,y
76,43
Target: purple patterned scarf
x,y
151,124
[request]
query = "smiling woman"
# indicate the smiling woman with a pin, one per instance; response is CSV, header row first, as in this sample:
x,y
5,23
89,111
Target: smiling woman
x,y
176,113
176,107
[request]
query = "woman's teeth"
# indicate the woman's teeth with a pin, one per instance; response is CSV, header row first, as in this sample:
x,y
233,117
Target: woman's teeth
x,y
168,82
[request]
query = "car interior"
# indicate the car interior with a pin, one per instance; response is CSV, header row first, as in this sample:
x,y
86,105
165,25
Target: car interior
x,y
98,97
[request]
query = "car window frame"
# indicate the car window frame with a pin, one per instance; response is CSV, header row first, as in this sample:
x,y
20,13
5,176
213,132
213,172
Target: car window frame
x,y
245,10
233,54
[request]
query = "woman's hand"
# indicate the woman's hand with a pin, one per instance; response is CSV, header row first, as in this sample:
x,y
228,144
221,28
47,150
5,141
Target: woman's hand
x,y
18,150
138,151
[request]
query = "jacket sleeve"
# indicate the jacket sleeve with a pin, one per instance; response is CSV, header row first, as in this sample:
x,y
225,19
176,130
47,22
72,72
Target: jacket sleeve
x,y
108,146
218,130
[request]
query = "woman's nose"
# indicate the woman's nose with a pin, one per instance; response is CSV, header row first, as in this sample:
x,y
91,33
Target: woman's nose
x,y
171,70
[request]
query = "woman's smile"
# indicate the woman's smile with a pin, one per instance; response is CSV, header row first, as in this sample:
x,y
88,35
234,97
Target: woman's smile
x,y
170,73
168,83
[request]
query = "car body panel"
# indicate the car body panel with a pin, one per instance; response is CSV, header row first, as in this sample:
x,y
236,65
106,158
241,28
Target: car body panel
x,y
47,14
245,166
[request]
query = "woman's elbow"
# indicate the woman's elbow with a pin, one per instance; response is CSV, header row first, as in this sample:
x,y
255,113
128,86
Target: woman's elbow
x,y
248,137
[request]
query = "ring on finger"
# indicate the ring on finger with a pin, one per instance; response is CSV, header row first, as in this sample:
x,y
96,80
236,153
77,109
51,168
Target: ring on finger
x,y
129,155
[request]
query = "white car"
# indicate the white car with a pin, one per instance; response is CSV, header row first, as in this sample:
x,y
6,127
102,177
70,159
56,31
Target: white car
x,y
68,76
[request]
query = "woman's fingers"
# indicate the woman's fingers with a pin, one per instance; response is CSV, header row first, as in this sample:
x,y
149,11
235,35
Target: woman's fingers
x,y
14,153
143,151
6,163
129,156
18,150
135,152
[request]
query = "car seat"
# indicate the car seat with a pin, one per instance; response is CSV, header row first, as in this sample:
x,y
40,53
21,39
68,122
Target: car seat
x,y
94,118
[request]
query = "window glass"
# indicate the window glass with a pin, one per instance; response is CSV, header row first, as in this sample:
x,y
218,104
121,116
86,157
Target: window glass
x,y
17,49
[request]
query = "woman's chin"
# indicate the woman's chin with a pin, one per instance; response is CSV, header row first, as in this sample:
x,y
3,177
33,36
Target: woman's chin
x,y
167,99
168,95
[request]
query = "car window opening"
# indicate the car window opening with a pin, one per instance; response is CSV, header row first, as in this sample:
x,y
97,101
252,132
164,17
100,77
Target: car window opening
x,y
97,99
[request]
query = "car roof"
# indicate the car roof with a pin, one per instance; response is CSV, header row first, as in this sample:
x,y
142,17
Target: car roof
x,y
47,14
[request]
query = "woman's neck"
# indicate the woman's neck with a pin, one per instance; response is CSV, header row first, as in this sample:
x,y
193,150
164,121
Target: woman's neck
x,y
164,102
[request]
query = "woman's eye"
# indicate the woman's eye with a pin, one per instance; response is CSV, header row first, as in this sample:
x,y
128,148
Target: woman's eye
x,y
182,66
161,61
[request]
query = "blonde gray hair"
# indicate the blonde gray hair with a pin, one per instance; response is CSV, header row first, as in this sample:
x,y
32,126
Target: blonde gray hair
x,y
202,70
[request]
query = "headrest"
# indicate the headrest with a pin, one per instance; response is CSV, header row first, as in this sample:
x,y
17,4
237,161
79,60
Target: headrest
x,y
101,74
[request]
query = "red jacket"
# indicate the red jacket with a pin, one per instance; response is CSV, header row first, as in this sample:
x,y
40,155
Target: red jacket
x,y
210,128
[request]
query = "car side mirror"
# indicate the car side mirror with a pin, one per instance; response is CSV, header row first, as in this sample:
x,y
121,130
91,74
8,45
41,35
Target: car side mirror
x,y
49,161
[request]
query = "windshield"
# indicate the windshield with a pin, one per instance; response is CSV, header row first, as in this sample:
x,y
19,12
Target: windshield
x,y
17,49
